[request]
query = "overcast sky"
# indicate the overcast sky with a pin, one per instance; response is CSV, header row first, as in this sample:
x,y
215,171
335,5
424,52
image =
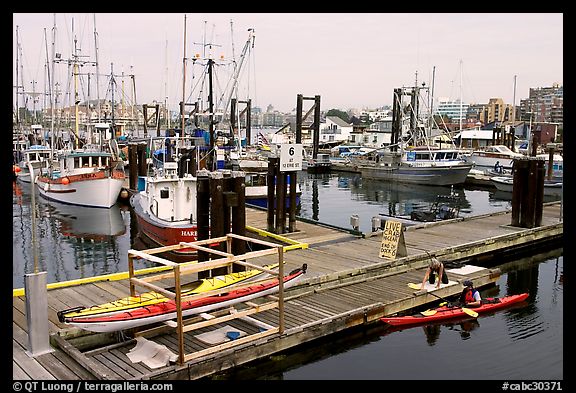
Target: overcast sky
x,y
351,60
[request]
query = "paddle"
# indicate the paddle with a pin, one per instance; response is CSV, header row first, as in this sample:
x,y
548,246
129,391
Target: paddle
x,y
468,311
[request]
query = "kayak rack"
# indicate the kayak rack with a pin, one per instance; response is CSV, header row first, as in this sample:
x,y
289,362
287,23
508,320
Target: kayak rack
x,y
207,319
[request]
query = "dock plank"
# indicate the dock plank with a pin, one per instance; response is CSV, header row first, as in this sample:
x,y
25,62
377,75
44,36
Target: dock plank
x,y
60,370
31,366
80,372
18,373
111,368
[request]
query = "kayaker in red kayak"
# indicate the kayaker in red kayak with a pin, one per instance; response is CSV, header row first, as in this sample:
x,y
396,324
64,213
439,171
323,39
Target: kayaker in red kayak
x,y
436,268
470,297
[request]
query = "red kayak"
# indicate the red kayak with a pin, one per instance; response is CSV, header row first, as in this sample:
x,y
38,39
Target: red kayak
x,y
448,312
164,311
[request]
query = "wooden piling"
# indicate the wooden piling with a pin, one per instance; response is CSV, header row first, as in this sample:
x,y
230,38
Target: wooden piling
x,y
203,214
292,208
217,228
229,200
539,198
270,177
280,202
142,164
527,192
132,165
239,215
299,102
519,178
528,197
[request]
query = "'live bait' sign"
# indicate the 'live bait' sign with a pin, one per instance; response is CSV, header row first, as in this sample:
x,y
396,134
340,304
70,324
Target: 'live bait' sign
x,y
393,243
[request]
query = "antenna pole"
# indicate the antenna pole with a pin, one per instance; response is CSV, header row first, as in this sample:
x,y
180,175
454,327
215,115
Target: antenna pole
x,y
183,80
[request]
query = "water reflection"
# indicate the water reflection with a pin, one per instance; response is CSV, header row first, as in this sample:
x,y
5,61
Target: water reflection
x,y
72,241
333,197
86,223
403,198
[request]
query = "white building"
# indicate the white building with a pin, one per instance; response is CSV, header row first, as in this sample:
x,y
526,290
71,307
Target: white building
x,y
378,134
334,130
474,138
451,108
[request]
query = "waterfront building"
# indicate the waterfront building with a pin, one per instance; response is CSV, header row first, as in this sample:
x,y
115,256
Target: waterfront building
x,y
455,109
544,104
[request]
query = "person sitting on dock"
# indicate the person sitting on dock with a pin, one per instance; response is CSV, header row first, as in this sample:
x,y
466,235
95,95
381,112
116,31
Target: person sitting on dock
x,y
470,296
436,268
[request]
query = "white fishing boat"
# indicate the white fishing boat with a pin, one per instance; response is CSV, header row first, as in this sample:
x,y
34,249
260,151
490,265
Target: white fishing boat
x,y
492,157
506,184
35,156
429,166
413,159
85,177
166,206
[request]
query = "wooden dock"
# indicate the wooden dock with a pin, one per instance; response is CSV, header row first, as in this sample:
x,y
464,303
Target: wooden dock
x,y
347,284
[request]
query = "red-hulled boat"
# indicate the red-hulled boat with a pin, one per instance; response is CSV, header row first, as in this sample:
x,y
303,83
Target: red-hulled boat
x,y
449,312
165,206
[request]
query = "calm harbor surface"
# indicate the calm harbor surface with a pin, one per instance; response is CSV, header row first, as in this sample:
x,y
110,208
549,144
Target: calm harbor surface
x,y
514,344
524,343
76,242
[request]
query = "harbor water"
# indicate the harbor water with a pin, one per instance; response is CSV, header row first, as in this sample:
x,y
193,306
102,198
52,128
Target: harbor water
x,y
519,343
516,344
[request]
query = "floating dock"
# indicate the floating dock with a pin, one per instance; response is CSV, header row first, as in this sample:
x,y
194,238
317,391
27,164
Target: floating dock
x,y
347,284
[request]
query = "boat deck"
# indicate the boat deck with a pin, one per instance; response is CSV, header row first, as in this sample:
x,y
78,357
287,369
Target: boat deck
x,y
347,284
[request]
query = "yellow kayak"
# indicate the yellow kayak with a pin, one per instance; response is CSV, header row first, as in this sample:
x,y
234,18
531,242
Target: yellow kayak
x,y
149,298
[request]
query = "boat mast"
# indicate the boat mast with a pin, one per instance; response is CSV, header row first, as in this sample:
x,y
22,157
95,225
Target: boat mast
x,y
183,80
97,72
513,112
122,92
166,111
112,87
48,75
76,101
52,97
17,86
212,155
134,120
238,67
460,102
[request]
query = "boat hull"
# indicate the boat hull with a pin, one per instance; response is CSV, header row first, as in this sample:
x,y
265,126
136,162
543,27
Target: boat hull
x,y
490,160
163,232
150,298
506,184
437,176
446,313
97,189
167,310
